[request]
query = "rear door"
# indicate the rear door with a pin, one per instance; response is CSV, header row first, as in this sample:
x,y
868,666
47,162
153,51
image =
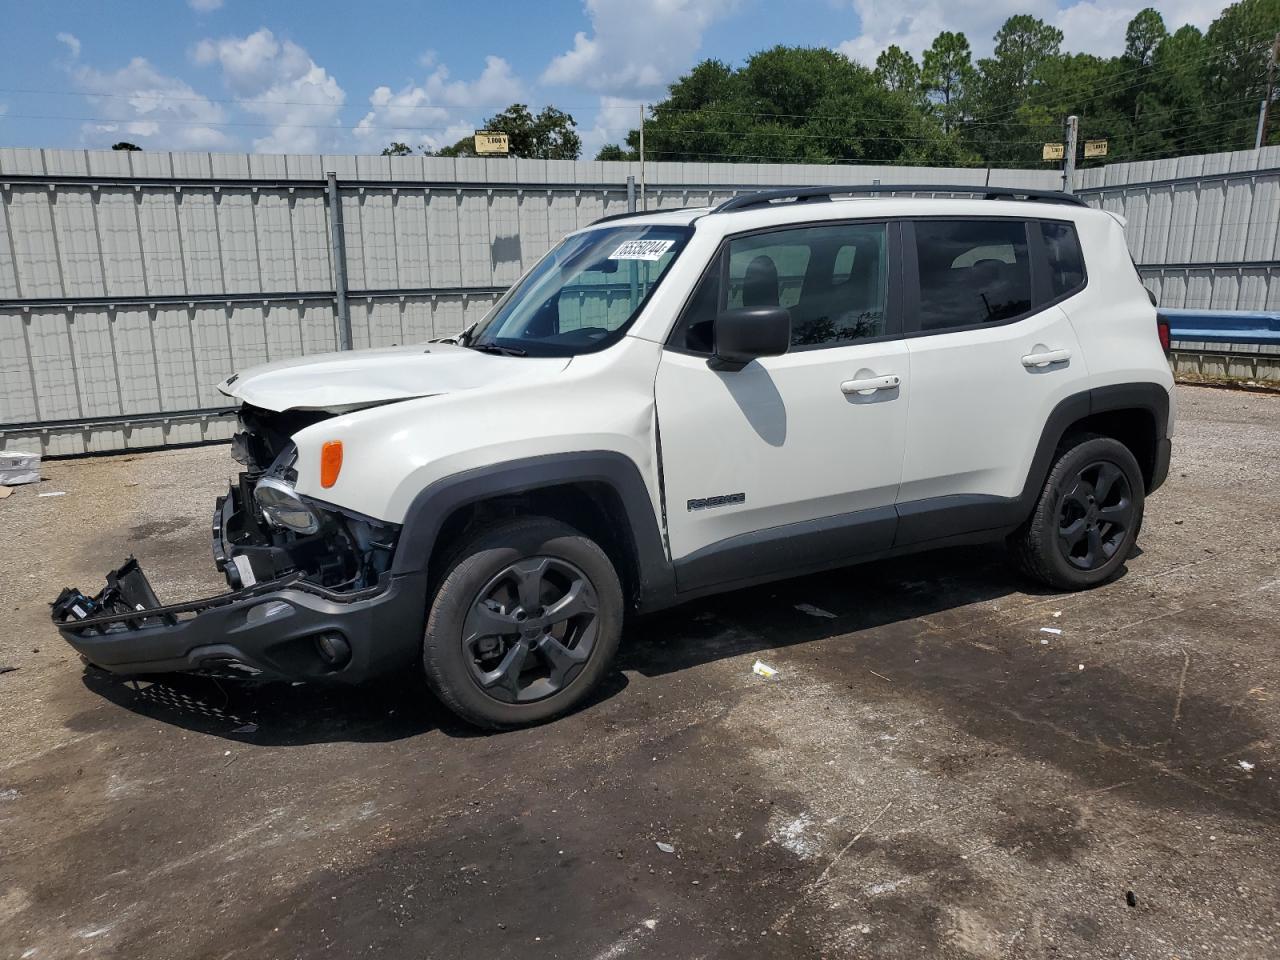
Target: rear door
x,y
792,462
991,355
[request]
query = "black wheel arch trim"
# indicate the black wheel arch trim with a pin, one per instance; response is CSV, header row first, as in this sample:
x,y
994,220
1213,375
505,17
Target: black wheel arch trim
x,y
436,502
1150,397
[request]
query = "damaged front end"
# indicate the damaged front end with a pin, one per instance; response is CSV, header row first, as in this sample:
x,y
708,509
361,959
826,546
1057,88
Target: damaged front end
x,y
312,591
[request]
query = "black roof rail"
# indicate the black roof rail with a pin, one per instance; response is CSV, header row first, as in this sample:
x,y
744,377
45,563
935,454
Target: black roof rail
x,y
813,194
621,216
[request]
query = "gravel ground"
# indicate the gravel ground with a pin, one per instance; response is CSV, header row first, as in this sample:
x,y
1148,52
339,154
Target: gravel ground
x,y
928,775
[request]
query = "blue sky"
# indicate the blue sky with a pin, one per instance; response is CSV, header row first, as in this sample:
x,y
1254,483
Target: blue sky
x,y
326,76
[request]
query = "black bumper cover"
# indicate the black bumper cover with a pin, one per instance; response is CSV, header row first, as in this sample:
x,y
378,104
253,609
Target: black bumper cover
x,y
280,628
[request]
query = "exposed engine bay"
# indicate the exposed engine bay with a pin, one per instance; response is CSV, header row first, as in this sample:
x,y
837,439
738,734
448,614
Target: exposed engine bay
x,y
305,577
264,532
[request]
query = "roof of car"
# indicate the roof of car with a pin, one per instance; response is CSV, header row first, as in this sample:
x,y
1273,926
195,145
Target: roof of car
x,y
776,207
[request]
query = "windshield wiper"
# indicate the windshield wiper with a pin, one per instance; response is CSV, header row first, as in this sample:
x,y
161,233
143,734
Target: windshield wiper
x,y
496,348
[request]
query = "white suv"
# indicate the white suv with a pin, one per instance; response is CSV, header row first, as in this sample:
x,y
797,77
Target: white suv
x,y
669,405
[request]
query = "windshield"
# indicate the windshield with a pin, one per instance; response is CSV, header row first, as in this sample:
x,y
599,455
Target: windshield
x,y
583,294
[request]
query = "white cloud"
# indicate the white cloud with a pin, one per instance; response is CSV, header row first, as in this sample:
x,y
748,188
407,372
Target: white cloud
x,y
439,111
204,6
144,104
616,117
72,43
1088,26
912,24
635,49
278,81
1096,27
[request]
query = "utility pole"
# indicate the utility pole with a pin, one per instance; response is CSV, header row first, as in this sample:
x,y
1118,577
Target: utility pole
x,y
1264,112
1069,155
644,201
339,245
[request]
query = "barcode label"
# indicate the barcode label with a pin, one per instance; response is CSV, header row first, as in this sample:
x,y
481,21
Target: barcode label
x,y
642,250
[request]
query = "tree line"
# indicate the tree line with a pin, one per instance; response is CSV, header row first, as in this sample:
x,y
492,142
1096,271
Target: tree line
x,y
1168,94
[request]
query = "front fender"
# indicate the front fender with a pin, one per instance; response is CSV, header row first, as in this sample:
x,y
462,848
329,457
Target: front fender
x,y
435,503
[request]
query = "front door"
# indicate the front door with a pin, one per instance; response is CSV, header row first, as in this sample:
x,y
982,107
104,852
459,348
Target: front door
x,y
791,463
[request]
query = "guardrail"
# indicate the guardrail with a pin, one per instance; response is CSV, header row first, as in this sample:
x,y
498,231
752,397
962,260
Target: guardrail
x,y
1225,344
1242,327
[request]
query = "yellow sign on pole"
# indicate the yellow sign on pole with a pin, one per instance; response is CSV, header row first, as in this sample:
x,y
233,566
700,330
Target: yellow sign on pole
x,y
1053,151
488,142
1095,148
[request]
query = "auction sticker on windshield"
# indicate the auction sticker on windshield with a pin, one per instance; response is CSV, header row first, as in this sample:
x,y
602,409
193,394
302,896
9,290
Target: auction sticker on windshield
x,y
642,250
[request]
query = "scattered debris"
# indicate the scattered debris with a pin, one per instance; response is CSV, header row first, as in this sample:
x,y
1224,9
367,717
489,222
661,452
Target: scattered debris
x,y
1056,631
247,728
1057,614
53,493
1131,898
1246,766
1082,666
10,794
880,675
865,929
7,669
1044,641
813,611
5,491
666,847
17,466
764,670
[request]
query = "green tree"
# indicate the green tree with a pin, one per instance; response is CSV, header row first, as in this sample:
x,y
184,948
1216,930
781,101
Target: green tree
x,y
1146,31
125,145
897,71
947,76
794,104
397,149
1239,42
1011,117
612,151
550,135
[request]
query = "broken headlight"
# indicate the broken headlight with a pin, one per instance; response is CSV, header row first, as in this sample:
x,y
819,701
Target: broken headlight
x,y
282,506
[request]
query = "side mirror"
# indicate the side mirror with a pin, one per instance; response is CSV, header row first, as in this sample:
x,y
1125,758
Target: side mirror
x,y
745,333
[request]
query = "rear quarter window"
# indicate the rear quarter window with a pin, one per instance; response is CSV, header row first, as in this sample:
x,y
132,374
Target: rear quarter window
x,y
1066,262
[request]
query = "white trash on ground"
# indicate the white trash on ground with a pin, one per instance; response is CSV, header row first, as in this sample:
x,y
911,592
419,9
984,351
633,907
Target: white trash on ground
x,y
17,466
666,847
763,669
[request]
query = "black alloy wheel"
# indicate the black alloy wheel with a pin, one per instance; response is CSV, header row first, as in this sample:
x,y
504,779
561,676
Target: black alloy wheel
x,y
531,629
1094,515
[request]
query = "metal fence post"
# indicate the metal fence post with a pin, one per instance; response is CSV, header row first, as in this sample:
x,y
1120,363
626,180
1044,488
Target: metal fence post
x,y
339,243
631,194
1069,159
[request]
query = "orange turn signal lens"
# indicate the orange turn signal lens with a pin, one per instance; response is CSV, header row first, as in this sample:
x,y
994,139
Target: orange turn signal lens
x,y
330,463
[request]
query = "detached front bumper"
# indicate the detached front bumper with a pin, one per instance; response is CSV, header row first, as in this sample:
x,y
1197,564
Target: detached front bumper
x,y
284,627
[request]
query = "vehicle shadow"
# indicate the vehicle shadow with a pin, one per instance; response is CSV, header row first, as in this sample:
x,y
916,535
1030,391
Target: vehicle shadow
x,y
278,713
820,606
274,713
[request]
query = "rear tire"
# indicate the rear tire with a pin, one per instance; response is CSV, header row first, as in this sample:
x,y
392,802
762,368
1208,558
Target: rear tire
x,y
524,625
1087,518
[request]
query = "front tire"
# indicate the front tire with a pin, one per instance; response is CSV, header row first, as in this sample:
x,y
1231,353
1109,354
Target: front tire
x,y
524,624
1086,519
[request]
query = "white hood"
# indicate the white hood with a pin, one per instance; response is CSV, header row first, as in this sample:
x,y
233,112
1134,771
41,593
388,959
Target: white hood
x,y
361,378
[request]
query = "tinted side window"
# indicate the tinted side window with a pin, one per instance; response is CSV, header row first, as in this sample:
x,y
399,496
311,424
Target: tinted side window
x,y
1066,264
972,272
833,280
